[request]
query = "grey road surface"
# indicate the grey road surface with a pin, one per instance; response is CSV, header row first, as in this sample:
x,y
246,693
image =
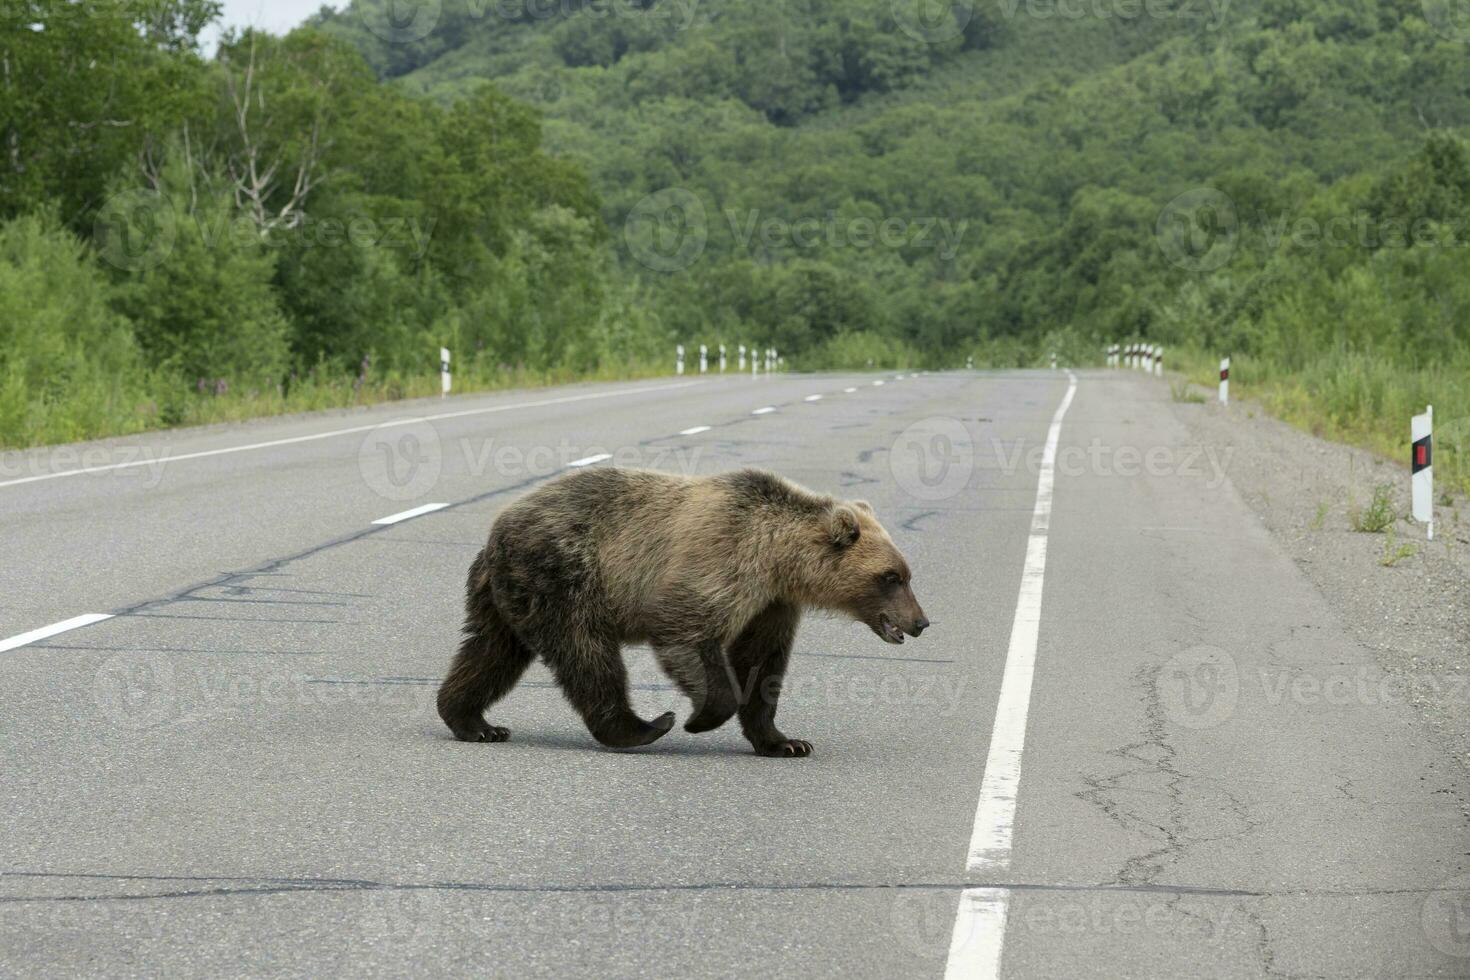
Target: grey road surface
x,y
241,773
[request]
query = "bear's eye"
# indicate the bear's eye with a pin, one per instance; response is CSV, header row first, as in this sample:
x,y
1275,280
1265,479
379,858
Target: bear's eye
x,y
890,578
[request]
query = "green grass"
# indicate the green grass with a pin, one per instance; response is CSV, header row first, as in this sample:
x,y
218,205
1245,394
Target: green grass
x,y
1183,391
1393,553
168,405
1356,399
1378,516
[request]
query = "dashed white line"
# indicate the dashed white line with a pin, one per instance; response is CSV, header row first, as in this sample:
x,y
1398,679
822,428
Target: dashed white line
x,y
812,398
76,622
408,514
980,924
694,430
764,411
848,391
589,460
877,383
539,403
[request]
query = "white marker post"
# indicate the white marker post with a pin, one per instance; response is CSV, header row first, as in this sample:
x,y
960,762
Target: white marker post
x,y
970,362
1421,466
722,358
1053,360
703,359
443,371
742,357
755,364
1225,381
1159,361
679,359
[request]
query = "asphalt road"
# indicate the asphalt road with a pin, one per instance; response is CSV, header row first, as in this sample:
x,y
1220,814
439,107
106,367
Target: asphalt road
x,y
241,772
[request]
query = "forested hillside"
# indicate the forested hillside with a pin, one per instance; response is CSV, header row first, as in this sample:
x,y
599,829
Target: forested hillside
x,y
564,188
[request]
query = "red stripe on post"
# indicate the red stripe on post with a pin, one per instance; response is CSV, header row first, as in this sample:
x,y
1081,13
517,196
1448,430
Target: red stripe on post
x,y
1421,455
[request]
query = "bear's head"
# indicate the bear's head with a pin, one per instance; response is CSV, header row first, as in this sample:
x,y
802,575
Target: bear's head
x,y
865,575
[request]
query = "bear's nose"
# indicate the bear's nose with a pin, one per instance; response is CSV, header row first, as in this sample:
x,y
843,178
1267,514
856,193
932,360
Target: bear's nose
x,y
920,624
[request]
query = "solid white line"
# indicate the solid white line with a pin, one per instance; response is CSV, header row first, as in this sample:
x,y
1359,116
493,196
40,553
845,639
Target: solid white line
x,y
848,391
812,398
344,432
694,430
980,924
416,512
75,622
589,460
763,411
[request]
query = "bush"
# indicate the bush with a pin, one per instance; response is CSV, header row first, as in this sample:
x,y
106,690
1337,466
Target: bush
x,y
69,366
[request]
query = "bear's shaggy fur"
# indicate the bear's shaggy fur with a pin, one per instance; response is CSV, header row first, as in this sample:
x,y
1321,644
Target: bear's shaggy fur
x,y
712,572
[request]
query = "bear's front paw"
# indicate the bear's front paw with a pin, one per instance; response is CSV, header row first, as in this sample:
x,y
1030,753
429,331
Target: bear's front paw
x,y
480,731
785,748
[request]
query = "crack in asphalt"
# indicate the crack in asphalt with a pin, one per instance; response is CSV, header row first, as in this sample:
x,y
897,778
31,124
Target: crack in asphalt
x,y
1152,759
263,885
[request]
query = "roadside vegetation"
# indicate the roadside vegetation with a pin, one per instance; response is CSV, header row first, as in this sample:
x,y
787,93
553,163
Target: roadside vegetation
x,y
566,190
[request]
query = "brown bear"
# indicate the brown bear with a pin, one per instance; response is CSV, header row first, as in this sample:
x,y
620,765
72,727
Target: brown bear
x,y
712,572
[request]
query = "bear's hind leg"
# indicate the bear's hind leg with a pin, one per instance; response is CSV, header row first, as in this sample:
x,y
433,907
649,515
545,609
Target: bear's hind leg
x,y
703,674
593,678
491,659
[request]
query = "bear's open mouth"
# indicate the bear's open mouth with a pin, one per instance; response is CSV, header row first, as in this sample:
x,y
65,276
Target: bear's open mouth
x,y
888,629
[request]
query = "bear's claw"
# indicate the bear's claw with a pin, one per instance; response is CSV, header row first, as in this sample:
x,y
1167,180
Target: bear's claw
x,y
786,748
480,731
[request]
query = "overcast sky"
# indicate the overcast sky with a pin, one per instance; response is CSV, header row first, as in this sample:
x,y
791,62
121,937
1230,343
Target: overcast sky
x,y
276,16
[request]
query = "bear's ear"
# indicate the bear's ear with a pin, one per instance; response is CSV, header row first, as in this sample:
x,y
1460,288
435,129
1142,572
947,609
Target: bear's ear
x,y
842,525
864,505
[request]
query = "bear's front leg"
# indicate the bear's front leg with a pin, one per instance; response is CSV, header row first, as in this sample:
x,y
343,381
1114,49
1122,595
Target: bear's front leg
x,y
759,658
